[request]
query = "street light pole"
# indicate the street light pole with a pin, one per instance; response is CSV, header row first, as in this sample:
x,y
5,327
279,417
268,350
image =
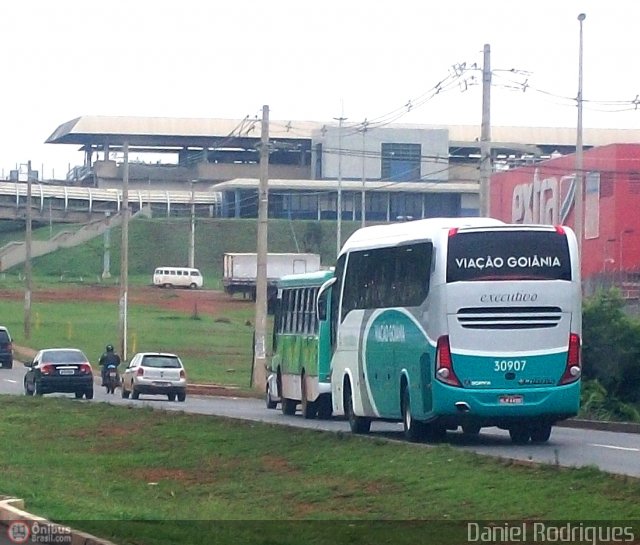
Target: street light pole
x,y
579,221
124,257
339,203
27,259
259,372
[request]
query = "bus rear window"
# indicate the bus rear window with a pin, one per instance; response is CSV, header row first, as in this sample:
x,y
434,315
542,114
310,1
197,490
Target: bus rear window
x,y
508,255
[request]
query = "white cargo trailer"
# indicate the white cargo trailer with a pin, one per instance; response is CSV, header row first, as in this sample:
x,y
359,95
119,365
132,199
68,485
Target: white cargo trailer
x,y
240,270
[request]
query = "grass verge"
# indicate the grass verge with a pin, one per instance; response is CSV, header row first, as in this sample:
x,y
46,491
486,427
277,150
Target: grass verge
x,y
214,349
120,471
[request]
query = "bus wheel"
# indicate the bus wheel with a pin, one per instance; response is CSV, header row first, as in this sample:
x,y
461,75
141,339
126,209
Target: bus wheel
x,y
288,406
541,433
519,435
308,408
413,429
358,424
325,407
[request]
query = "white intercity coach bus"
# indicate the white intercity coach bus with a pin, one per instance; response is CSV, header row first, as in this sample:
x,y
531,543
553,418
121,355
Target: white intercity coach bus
x,y
450,322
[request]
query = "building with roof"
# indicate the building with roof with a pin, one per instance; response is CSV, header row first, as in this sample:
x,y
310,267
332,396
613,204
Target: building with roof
x,y
401,171
544,193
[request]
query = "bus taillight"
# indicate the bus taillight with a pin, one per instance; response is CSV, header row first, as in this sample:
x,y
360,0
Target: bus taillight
x,y
444,363
573,369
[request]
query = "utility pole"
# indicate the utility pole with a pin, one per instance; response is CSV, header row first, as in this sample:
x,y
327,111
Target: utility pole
x,y
579,215
363,204
106,258
192,232
124,256
485,136
339,203
258,376
28,281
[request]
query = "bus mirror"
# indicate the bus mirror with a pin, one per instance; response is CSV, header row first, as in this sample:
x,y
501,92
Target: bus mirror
x,y
322,307
322,299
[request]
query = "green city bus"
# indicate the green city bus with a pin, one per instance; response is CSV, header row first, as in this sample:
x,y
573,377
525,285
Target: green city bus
x,y
299,372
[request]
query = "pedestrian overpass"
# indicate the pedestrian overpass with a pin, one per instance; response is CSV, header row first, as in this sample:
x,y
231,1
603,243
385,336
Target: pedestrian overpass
x,y
71,204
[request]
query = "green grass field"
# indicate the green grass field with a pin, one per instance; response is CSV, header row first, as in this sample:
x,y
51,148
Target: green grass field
x,y
214,349
165,242
113,470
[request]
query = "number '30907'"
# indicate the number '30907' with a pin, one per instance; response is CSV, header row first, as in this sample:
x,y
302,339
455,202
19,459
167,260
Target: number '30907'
x,y
509,365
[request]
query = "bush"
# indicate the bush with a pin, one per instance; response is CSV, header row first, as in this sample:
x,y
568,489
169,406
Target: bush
x,y
598,404
611,346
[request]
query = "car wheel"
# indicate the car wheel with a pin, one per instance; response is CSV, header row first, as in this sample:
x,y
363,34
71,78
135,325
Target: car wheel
x,y
37,389
182,396
193,286
79,395
134,393
123,392
89,394
8,365
271,404
27,392
171,397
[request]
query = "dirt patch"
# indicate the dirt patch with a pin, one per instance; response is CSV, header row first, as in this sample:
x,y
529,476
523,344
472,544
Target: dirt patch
x,y
210,302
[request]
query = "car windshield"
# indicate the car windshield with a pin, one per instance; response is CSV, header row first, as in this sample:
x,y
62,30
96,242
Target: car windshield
x,y
4,336
64,356
161,361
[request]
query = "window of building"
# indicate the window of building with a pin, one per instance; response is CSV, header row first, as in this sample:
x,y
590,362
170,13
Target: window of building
x,y
401,162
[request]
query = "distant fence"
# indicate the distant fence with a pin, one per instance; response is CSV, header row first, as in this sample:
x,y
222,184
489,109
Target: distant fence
x,y
60,203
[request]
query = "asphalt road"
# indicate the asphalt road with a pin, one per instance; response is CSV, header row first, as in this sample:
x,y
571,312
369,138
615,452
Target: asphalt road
x,y
613,452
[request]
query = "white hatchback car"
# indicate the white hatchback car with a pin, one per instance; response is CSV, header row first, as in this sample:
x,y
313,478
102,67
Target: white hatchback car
x,y
155,373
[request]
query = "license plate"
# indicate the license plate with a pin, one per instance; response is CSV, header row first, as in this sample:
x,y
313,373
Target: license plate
x,y
511,400
66,371
112,373
158,383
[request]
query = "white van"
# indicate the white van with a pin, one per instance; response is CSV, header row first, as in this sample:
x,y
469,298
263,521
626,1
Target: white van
x,y
168,277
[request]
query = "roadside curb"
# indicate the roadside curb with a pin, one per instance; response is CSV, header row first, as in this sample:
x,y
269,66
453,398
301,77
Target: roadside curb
x,y
12,510
620,427
217,390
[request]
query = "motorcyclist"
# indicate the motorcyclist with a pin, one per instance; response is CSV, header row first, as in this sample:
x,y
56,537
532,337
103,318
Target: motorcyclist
x,y
109,357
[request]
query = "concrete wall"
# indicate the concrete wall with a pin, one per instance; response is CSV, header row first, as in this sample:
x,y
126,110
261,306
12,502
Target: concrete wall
x,y
434,144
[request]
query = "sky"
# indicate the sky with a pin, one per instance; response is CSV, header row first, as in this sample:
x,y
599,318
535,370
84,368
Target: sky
x,y
356,59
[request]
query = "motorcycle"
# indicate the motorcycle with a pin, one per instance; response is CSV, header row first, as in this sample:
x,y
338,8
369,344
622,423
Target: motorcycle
x,y
111,378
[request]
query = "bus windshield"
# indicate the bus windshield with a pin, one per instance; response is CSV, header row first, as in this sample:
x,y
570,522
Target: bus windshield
x,y
508,255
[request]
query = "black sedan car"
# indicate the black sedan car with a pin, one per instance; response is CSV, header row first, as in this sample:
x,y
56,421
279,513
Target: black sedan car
x,y
59,370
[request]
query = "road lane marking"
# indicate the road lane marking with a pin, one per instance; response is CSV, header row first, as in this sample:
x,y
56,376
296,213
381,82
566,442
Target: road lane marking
x,y
11,381
615,448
